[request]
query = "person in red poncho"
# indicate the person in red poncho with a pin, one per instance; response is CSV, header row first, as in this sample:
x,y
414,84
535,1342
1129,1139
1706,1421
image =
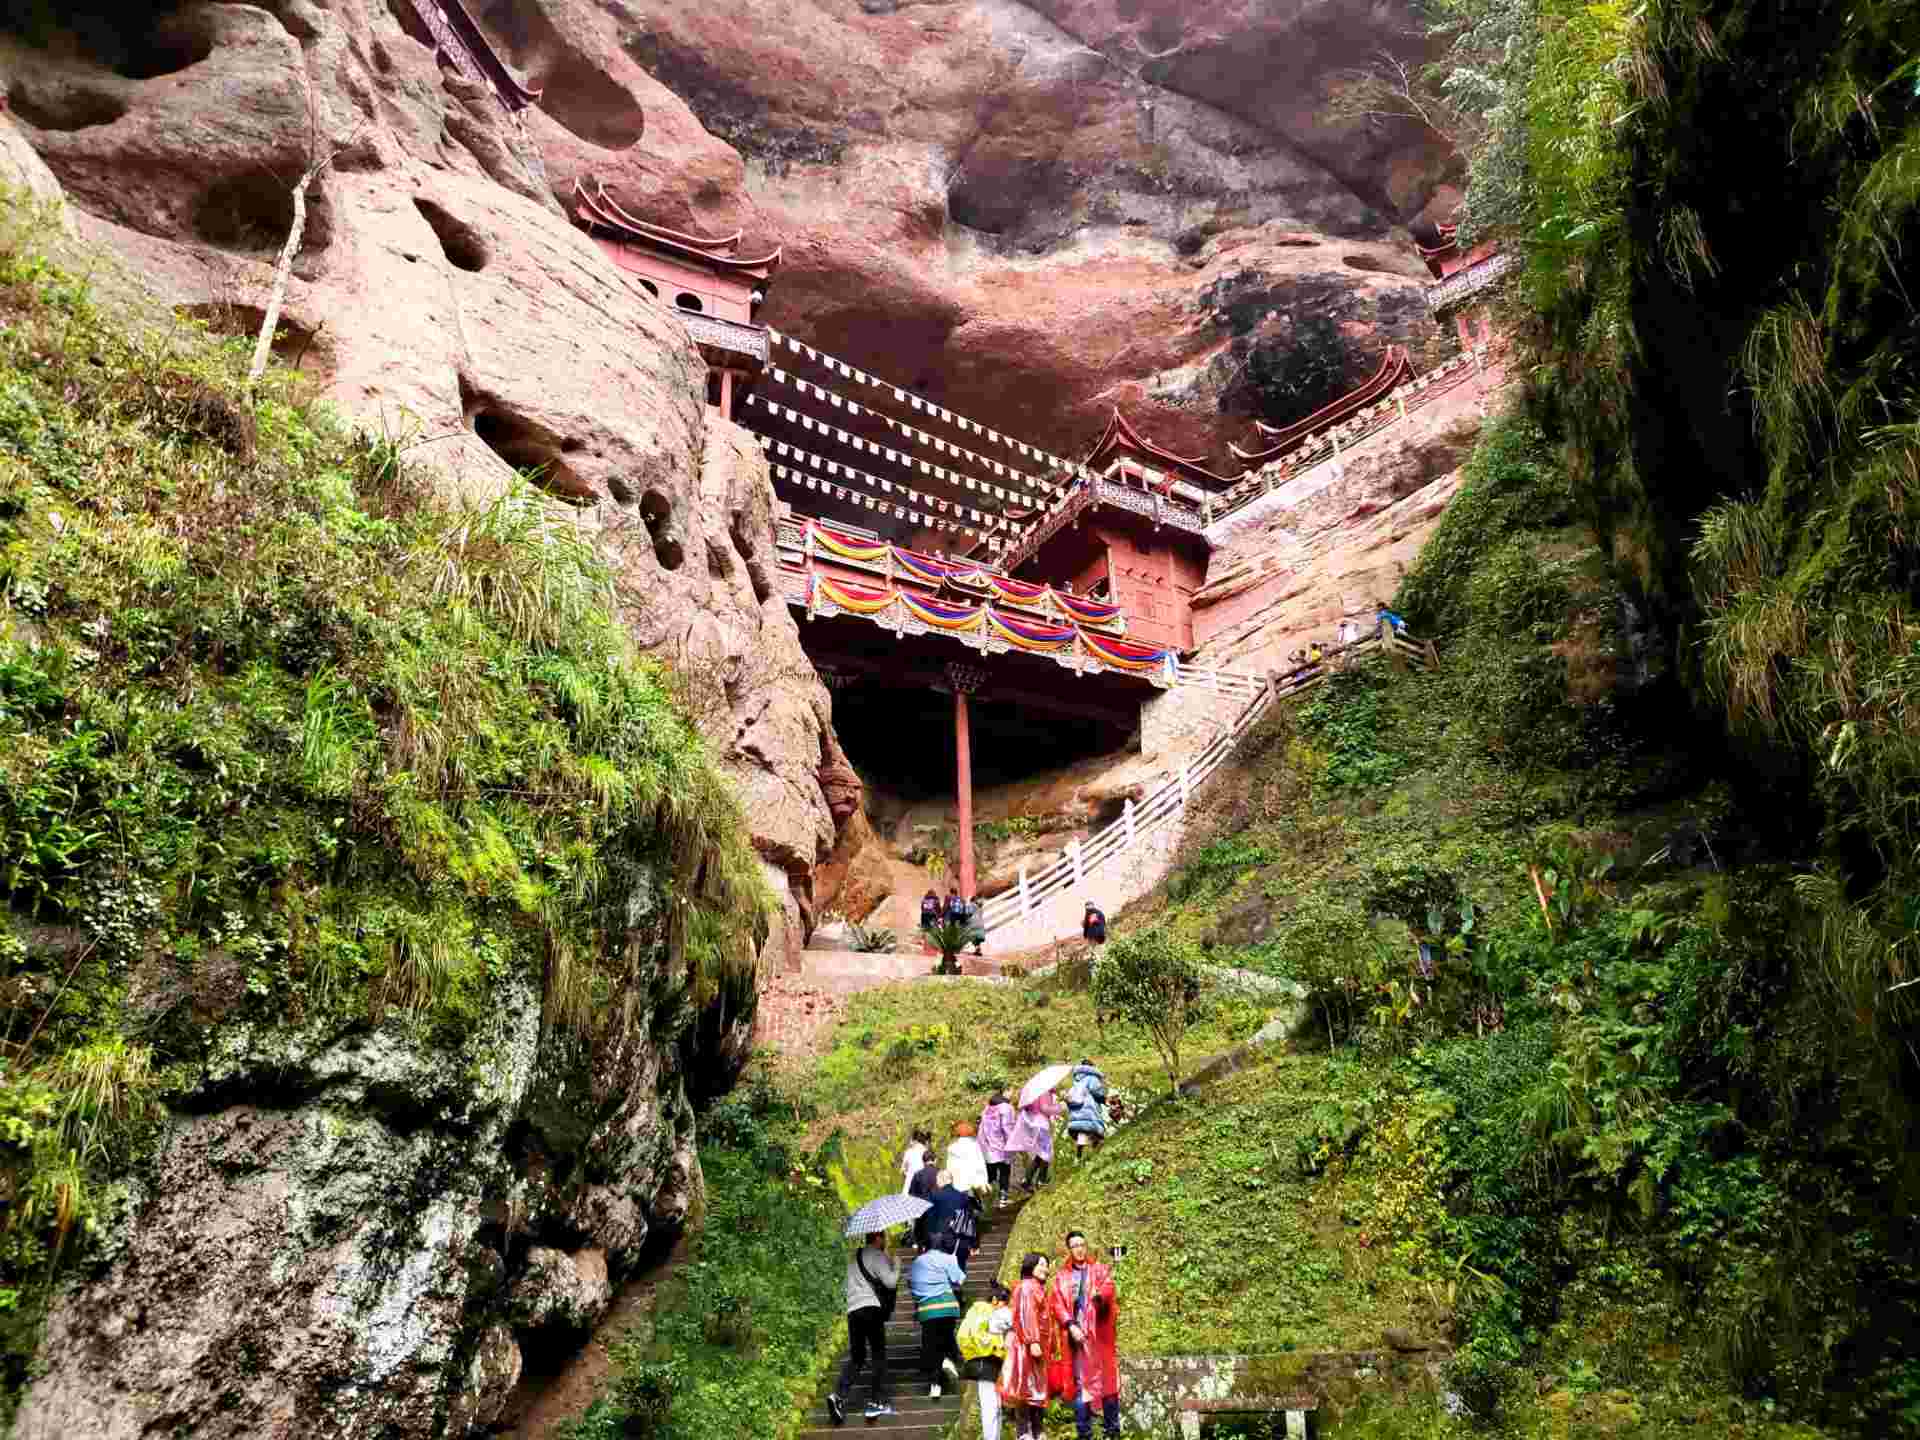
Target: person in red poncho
x,y
1086,1310
1023,1379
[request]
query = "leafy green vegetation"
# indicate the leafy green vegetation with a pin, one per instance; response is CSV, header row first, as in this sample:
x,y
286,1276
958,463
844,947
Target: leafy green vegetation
x,y
1150,980
743,1329
286,743
1571,1091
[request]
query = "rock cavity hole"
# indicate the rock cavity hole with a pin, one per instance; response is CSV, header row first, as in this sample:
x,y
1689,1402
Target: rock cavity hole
x,y
657,511
253,212
529,447
140,42
463,245
64,107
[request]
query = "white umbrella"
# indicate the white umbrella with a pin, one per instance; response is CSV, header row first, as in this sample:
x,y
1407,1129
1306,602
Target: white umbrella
x,y
1042,1083
885,1213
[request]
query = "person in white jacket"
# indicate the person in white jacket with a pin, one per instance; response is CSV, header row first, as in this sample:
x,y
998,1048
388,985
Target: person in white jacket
x,y
967,1160
914,1157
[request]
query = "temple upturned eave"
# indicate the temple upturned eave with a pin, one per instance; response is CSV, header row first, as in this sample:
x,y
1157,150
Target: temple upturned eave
x,y
712,244
513,94
599,213
1121,439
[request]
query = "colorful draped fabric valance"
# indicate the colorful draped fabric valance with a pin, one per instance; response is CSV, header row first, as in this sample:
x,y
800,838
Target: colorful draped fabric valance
x,y
943,616
1023,591
849,547
1023,633
1030,634
934,571
857,598
1124,654
1092,611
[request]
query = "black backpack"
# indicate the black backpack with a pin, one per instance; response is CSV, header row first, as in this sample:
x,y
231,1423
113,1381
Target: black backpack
x,y
887,1295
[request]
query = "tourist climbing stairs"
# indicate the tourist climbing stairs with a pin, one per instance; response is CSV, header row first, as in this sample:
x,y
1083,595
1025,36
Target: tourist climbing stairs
x,y
916,1415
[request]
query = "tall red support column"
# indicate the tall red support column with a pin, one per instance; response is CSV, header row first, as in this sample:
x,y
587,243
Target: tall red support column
x,y
963,680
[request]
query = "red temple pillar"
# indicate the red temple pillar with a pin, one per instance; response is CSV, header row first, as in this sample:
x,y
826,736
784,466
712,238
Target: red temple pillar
x,y
963,680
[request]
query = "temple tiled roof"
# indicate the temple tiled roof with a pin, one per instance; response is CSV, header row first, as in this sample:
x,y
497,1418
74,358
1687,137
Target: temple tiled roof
x,y
1394,369
1121,438
458,37
598,210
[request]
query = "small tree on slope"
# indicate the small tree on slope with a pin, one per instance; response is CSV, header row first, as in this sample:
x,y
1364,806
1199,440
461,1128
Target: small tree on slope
x,y
1151,979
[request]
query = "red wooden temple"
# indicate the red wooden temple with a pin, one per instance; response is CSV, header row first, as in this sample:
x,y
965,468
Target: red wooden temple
x,y
1132,531
717,290
1463,275
907,618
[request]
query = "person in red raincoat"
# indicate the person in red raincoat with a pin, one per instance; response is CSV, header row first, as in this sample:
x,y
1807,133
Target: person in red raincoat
x,y
1087,1312
1023,1379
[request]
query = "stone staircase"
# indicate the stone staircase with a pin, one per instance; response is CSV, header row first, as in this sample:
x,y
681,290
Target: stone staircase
x,y
918,1417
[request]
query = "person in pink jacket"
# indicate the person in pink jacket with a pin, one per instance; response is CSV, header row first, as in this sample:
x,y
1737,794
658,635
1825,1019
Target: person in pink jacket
x,y
1033,1136
996,1130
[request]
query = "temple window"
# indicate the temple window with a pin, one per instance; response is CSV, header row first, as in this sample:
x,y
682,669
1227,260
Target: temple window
x,y
687,300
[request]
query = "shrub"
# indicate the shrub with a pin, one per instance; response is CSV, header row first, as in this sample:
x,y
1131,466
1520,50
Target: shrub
x,y
873,942
645,1390
1151,979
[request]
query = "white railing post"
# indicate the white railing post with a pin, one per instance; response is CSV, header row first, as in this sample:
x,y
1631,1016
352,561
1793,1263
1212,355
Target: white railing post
x,y
1126,814
1073,852
1216,680
1026,893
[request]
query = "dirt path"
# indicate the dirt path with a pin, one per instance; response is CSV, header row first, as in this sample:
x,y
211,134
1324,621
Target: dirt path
x,y
543,1403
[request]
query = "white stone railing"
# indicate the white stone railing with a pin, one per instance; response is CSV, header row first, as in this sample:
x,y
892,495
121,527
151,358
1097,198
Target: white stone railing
x,y
1139,826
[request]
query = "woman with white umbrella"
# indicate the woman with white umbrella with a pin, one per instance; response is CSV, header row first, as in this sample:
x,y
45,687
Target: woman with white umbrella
x,y
1032,1133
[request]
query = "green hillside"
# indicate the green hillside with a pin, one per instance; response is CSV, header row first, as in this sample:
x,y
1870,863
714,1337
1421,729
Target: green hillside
x,y
290,750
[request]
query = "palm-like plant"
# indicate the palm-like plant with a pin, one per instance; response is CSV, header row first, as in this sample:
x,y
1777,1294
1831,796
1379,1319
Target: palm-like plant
x,y
949,937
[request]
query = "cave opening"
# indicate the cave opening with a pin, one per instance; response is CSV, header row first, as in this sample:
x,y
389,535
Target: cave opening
x,y
139,42
900,737
253,213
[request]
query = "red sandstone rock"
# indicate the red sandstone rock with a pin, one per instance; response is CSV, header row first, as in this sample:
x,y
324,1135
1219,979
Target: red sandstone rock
x,y
1028,222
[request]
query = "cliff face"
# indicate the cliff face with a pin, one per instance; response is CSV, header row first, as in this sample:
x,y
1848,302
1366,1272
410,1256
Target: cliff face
x,y
440,295
1029,212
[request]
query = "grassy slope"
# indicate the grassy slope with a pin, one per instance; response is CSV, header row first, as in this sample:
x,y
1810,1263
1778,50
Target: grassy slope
x,y
878,1082
1318,1198
743,1330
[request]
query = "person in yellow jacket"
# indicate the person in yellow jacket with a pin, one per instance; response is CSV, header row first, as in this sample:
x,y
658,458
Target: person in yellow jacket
x,y
983,1346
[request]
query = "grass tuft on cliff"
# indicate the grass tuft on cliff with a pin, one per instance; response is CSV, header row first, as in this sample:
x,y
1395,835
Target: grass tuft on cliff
x,y
286,741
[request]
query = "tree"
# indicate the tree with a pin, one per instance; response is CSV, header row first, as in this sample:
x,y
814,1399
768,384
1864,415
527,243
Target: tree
x,y
320,154
1151,979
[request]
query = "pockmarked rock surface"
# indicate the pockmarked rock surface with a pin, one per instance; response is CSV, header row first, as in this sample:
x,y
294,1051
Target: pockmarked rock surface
x,y
442,297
